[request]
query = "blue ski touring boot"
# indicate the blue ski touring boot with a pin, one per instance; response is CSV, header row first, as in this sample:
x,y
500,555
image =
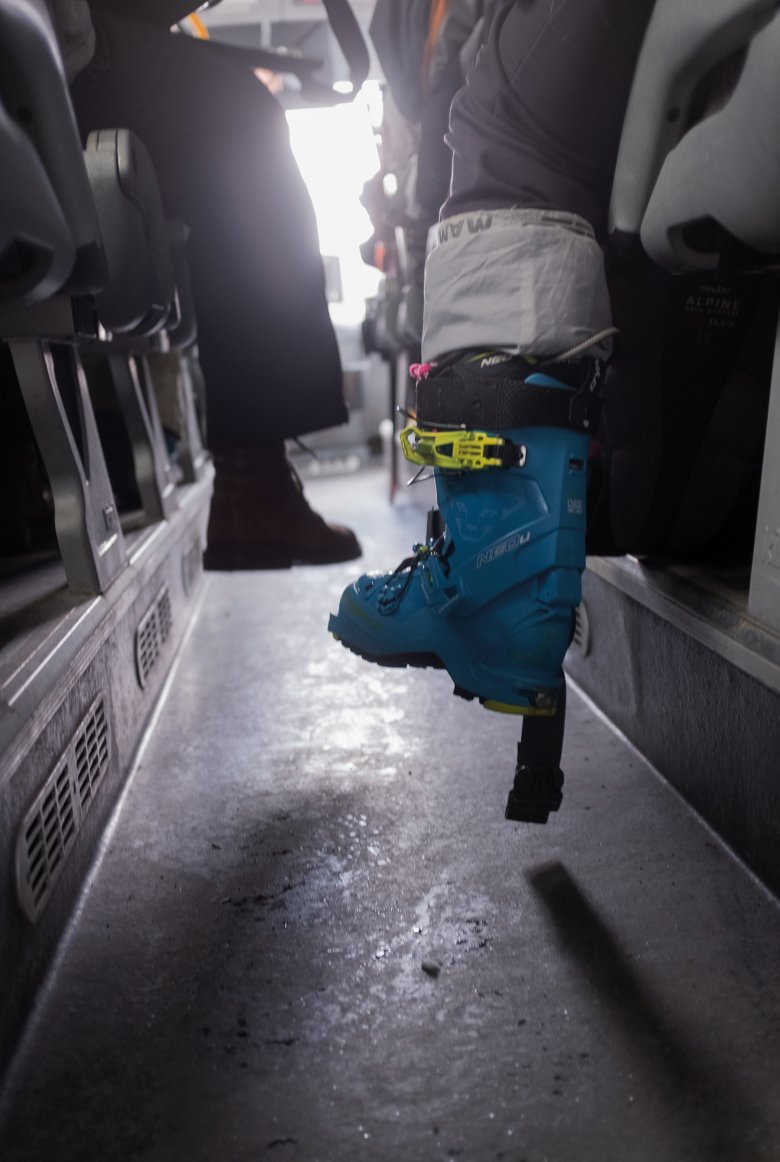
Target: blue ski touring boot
x,y
490,595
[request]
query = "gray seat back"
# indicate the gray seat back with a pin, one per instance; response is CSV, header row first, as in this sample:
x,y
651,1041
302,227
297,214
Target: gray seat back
x,y
36,247
34,93
140,296
671,174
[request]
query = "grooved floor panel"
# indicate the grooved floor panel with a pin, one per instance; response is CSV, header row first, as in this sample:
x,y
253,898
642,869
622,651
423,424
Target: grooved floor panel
x,y
313,936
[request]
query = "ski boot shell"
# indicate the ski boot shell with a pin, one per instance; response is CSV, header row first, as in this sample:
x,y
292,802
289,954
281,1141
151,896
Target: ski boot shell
x,y
491,599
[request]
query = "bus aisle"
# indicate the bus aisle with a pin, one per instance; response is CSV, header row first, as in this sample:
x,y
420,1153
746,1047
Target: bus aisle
x,y
312,935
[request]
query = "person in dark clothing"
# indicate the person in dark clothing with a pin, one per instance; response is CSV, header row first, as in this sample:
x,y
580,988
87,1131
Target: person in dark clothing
x,y
220,147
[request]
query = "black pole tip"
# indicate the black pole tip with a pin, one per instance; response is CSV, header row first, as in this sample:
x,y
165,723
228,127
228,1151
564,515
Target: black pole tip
x,y
537,791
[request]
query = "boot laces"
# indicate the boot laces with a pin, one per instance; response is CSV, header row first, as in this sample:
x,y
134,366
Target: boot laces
x,y
400,579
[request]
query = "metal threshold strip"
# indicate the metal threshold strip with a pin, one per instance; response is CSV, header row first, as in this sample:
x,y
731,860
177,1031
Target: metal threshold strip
x,y
710,614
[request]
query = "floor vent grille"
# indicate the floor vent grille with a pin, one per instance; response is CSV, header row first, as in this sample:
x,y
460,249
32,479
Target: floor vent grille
x,y
191,566
50,827
91,756
151,635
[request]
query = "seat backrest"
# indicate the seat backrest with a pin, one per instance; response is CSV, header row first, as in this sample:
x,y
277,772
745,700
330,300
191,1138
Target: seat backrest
x,y
36,247
671,172
140,295
697,189
34,93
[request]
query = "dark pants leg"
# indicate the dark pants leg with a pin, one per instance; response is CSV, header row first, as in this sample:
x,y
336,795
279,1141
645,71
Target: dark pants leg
x,y
538,123
219,144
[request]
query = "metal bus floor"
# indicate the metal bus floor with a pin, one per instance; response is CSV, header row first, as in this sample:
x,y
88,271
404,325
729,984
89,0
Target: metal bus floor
x,y
311,934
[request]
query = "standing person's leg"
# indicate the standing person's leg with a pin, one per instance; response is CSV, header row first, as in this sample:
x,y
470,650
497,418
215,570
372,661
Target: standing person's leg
x,y
517,329
220,147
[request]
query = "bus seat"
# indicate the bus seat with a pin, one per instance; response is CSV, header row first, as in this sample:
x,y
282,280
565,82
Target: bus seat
x,y
150,316
682,170
32,83
139,296
151,349
112,307
726,168
683,43
36,247
41,335
138,305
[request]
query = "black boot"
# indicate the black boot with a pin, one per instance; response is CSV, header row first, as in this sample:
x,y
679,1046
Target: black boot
x,y
260,518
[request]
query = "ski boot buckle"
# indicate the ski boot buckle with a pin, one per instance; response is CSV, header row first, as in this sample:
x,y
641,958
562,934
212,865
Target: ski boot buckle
x,y
473,450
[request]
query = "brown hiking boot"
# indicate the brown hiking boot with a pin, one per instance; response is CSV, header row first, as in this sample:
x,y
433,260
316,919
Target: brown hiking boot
x,y
260,518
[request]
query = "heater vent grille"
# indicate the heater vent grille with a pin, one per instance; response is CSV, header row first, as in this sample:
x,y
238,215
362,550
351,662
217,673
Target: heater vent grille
x,y
50,826
151,635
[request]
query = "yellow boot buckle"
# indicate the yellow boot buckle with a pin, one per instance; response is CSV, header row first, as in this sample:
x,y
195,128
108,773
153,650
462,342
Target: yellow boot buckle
x,y
461,449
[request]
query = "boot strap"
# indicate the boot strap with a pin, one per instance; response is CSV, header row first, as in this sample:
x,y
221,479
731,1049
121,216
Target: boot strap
x,y
498,404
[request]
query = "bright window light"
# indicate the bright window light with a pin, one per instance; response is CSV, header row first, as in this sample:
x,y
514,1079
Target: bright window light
x,y
336,154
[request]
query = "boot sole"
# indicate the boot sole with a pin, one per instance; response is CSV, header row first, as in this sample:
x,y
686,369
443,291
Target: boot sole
x,y
431,661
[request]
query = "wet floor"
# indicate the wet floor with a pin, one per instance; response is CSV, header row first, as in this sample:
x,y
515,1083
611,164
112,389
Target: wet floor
x,y
312,935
